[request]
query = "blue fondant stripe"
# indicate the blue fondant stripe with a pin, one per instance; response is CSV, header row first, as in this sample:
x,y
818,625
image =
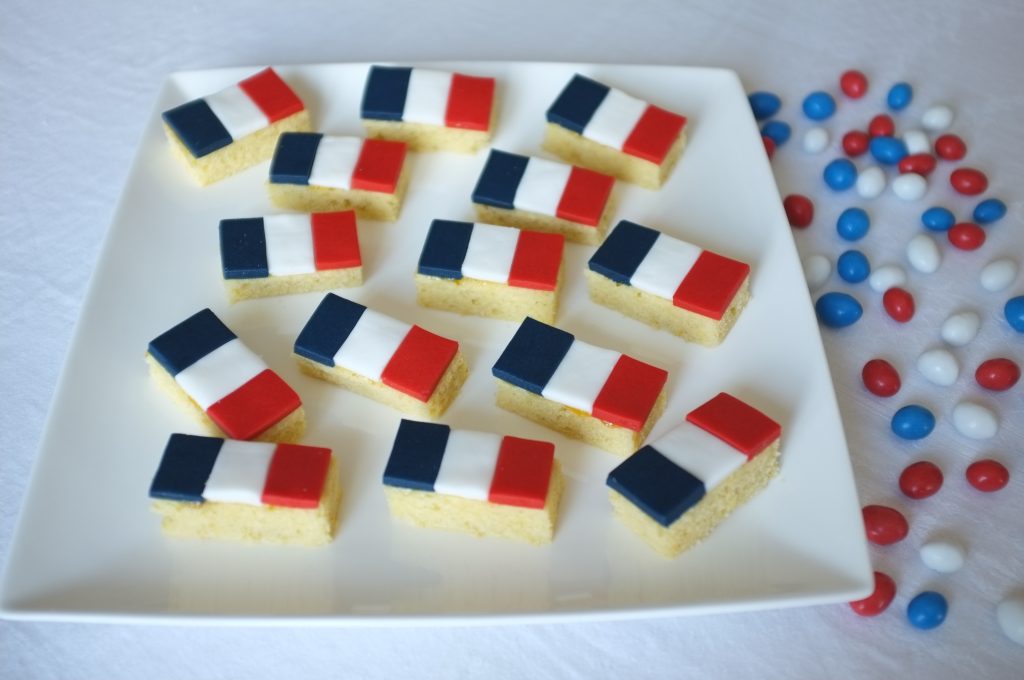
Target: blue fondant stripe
x,y
293,157
622,252
198,127
500,179
444,251
416,455
656,485
243,248
328,328
384,95
186,465
532,355
576,105
190,341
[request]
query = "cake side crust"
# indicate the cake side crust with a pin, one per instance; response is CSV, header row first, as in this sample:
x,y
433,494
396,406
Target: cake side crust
x,y
270,286
531,221
487,298
371,205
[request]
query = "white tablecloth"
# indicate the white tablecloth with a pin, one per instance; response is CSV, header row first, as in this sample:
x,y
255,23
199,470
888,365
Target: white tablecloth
x,y
77,83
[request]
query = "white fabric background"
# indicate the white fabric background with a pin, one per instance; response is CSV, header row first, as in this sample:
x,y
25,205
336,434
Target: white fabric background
x,y
77,83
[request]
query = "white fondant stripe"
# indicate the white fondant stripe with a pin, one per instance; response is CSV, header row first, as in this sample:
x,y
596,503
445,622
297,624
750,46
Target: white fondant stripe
x,y
666,265
237,112
371,344
490,253
614,119
289,244
579,378
240,472
426,100
468,464
541,187
220,373
700,453
335,162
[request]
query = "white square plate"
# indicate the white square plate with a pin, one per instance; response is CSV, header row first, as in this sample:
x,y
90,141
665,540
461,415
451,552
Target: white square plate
x,y
88,548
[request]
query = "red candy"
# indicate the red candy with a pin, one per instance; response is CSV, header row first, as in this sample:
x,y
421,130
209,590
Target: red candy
x,y
880,378
921,163
769,145
997,374
853,83
921,480
899,304
884,525
799,210
968,181
855,143
950,147
987,475
966,236
881,126
879,599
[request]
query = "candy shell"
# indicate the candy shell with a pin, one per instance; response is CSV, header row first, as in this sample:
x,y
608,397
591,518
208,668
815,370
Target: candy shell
x,y
921,163
817,269
838,310
887,276
887,150
987,475
1013,310
988,211
998,274
881,126
938,218
855,143
937,118
884,525
943,556
899,96
819,105
899,304
777,130
853,83
921,480
871,182
799,210
950,147
927,610
853,223
913,422
968,181
880,378
840,174
966,236
939,367
975,421
997,374
916,141
910,186
960,328
923,254
879,599
769,146
853,266
1009,614
815,140
764,104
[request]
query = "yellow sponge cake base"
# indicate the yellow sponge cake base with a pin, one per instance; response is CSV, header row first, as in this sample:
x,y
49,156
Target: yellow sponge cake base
x,y
424,137
370,205
269,286
531,221
487,298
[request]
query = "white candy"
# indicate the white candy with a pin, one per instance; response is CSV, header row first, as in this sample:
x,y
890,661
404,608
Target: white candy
x,y
817,269
887,276
916,142
1010,614
974,421
939,366
942,556
960,328
910,186
816,140
937,118
998,274
870,182
923,254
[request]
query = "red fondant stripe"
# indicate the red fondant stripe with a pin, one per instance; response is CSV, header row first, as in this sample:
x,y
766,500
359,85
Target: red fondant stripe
x,y
469,102
335,240
379,166
255,406
419,363
585,196
654,134
272,95
523,473
297,476
710,285
629,393
737,423
537,260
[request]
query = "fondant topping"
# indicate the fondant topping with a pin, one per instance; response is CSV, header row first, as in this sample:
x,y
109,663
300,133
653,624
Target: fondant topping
x,y
220,373
581,376
737,423
237,112
523,472
371,344
656,485
429,97
337,162
490,253
239,473
468,464
282,245
189,341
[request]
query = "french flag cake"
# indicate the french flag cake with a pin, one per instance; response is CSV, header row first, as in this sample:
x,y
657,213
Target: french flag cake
x,y
597,395
668,283
427,109
475,482
676,490
313,172
257,492
210,371
492,271
284,254
542,195
228,131
607,130
393,362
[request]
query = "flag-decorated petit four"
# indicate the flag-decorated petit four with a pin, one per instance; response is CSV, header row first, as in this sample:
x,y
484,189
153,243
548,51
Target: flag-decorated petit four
x,y
492,271
374,355
677,489
228,131
475,482
429,110
208,370
258,492
283,254
542,195
597,395
599,127
313,172
668,283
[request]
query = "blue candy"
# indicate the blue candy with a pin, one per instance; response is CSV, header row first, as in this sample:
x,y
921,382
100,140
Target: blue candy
x,y
1014,312
913,422
840,174
887,150
819,105
853,266
764,104
899,96
853,224
938,219
988,211
778,131
927,610
838,310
